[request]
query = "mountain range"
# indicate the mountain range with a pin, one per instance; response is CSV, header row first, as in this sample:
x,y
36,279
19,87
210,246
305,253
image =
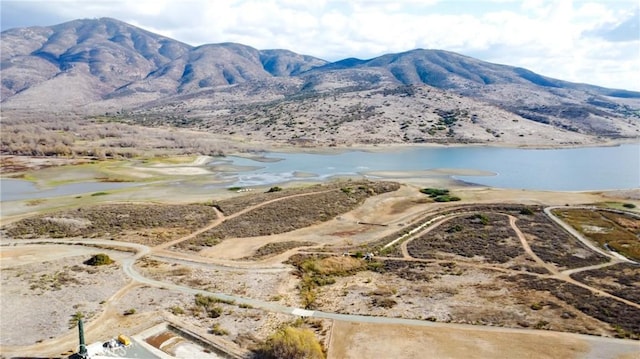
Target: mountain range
x,y
105,67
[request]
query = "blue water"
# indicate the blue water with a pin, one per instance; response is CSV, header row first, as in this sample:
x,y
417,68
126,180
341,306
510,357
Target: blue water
x,y
576,169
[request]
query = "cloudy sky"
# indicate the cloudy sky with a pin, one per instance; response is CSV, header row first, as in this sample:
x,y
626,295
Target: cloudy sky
x,y
595,42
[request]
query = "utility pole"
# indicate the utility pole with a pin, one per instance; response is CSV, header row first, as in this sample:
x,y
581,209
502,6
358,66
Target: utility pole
x,y
82,353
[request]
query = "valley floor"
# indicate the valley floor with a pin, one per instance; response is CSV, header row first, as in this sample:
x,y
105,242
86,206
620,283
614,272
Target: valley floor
x,y
488,294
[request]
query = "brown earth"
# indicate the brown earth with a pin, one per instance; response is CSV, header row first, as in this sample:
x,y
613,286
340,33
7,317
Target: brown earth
x,y
367,340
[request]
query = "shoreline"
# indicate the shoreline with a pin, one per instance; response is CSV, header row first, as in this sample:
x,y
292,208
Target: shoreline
x,y
387,147
259,155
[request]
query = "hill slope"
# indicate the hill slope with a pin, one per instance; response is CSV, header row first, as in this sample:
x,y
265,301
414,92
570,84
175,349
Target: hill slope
x,y
91,67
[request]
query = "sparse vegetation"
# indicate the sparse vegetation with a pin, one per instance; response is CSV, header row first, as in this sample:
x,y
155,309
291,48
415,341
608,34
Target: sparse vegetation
x,y
554,245
293,213
209,305
620,279
176,310
291,343
315,272
383,302
617,231
271,249
216,329
483,235
100,138
620,315
114,219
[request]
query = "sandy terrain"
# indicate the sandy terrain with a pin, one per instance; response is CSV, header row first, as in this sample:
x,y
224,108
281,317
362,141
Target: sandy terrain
x,y
40,296
364,340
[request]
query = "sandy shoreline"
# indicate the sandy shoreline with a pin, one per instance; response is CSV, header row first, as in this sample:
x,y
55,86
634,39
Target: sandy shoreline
x,y
388,147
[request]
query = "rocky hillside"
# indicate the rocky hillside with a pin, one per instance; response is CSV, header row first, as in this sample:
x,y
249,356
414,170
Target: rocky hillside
x,y
122,73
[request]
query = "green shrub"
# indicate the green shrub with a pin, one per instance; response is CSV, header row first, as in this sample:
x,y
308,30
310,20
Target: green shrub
x,y
99,260
214,311
176,310
308,296
274,189
435,192
205,301
209,304
483,219
130,311
526,211
440,194
99,194
629,205
292,343
216,329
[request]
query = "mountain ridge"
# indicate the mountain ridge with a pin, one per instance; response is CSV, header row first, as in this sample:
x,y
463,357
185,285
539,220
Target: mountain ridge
x,y
97,66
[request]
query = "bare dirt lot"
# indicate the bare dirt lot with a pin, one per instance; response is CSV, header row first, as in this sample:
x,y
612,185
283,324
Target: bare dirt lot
x,y
355,340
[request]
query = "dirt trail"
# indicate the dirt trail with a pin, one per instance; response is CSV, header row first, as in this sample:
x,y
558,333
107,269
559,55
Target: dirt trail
x,y
595,266
221,218
563,276
527,248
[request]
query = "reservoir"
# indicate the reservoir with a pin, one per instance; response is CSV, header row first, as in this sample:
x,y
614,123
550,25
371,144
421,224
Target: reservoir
x,y
572,169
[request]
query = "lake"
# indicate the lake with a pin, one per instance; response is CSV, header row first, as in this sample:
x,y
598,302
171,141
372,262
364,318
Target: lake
x,y
573,169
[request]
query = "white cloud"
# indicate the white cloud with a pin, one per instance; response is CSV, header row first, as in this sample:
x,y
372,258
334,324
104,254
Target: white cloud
x,y
550,37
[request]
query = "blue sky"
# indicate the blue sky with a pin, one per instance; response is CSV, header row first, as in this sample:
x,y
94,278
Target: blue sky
x,y
595,42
